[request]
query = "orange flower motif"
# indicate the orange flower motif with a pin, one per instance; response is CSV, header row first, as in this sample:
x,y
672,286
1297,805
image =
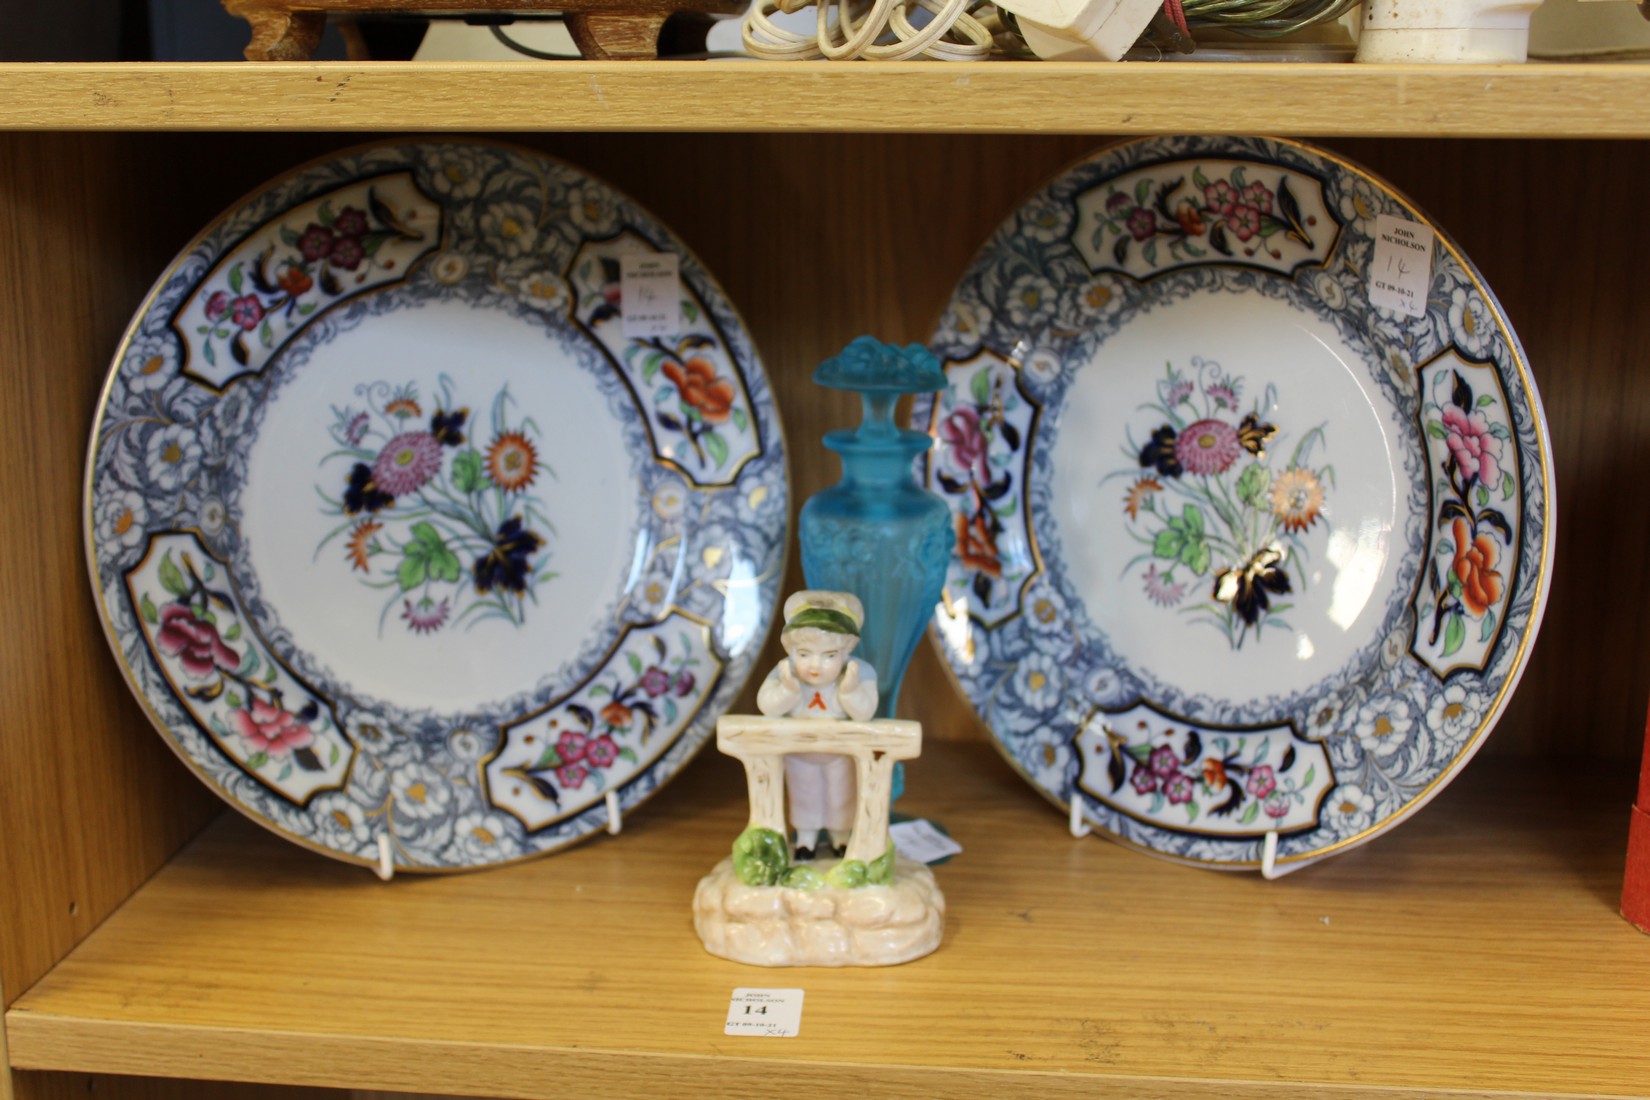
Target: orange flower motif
x,y
512,463
1214,773
294,280
616,714
977,545
1138,494
403,407
1191,221
1474,567
1296,499
700,389
360,546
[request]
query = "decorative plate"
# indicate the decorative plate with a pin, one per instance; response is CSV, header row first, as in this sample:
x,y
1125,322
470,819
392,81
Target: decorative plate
x,y
1242,549
396,532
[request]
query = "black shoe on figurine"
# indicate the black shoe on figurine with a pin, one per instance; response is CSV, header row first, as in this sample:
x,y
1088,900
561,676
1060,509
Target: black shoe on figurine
x,y
804,853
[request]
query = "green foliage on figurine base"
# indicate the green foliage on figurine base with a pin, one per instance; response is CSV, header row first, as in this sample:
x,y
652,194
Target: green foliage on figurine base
x,y
762,857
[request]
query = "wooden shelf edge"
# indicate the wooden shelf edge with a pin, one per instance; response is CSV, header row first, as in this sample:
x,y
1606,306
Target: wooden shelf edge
x,y
1533,100
1376,974
550,1073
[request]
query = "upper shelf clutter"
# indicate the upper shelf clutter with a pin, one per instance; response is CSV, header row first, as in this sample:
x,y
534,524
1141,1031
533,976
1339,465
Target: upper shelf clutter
x,y
1531,100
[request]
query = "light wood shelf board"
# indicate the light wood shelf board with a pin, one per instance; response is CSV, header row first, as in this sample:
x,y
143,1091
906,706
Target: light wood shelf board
x,y
1559,100
1475,948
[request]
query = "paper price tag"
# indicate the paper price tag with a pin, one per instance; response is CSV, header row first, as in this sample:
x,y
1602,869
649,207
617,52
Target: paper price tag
x,y
771,1012
1401,270
650,294
919,840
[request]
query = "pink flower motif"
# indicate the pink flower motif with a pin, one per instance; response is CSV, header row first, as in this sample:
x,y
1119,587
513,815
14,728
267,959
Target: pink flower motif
x,y
355,429
246,311
193,642
1257,196
1117,202
1144,781
350,222
1224,394
601,752
1160,590
216,306
1220,196
1277,805
1164,761
1142,223
406,463
316,242
1477,453
961,433
347,253
426,616
572,776
571,746
655,681
1178,788
271,729
684,683
1208,447
1244,221
1176,389
1262,781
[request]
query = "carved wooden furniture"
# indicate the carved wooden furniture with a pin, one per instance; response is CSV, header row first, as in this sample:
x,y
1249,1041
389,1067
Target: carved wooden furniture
x,y
290,30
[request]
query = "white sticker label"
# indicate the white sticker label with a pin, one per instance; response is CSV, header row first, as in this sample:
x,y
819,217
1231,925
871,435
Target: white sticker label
x,y
650,294
1401,270
776,1012
919,840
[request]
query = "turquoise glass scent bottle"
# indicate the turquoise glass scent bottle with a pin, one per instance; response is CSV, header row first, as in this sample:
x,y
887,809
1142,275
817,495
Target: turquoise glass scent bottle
x,y
877,533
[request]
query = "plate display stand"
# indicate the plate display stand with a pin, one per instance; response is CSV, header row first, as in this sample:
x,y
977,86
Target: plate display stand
x,y
160,949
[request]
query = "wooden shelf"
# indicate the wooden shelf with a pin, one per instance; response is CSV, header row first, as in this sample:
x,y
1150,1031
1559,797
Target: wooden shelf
x,y
1476,947
1534,100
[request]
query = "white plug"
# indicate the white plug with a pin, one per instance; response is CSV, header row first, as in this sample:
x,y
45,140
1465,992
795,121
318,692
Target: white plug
x,y
1081,30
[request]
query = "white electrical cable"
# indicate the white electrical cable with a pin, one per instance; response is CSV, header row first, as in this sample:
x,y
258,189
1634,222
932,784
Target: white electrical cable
x,y
861,29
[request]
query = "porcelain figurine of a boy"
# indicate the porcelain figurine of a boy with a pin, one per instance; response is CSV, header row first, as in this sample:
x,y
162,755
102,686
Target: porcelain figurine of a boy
x,y
820,678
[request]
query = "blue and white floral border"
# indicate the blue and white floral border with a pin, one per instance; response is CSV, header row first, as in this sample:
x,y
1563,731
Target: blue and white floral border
x,y
129,495
1035,700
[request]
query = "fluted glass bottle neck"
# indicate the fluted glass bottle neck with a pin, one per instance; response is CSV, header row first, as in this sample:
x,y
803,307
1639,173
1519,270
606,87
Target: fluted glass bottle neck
x,y
882,456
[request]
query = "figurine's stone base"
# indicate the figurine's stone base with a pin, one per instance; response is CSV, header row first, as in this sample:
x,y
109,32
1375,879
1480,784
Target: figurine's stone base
x,y
778,926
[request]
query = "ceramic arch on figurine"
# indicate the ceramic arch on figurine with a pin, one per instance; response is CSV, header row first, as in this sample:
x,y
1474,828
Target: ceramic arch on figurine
x,y
858,904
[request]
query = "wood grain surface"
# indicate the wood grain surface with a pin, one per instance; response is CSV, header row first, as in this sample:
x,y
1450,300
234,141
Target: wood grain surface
x,y
1532,100
90,801
816,238
102,1086
1475,948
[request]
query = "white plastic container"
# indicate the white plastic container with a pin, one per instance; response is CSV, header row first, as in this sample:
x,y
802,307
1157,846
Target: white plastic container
x,y
1445,30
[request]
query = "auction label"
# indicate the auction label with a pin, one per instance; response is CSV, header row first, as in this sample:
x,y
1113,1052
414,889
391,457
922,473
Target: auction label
x,y
1401,270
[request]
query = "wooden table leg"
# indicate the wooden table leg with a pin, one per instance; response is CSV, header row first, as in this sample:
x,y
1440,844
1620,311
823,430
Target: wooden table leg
x,y
628,37
279,34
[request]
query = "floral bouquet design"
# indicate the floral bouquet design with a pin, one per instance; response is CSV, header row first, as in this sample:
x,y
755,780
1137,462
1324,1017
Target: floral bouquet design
x,y
448,529
1474,480
980,445
1216,212
1214,506
243,698
582,742
324,257
692,399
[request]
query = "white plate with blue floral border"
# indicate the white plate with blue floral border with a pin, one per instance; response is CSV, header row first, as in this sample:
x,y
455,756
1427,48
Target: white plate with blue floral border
x,y
1253,499
404,537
